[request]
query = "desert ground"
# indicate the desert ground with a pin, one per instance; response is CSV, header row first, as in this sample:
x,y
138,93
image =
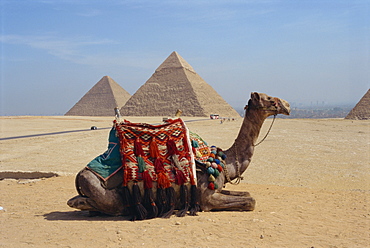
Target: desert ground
x,y
310,178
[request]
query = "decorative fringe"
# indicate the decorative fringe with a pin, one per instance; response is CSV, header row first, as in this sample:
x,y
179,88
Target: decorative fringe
x,y
161,201
153,149
140,211
184,201
124,192
171,198
148,201
149,204
194,202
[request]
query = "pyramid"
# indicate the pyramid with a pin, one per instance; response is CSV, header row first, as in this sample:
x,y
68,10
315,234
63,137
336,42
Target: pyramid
x,y
175,85
101,99
362,109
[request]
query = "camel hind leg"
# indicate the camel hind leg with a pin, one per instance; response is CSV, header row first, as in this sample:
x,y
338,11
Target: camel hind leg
x,y
93,194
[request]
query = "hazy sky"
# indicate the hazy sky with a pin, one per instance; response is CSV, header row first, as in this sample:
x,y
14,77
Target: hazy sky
x,y
54,51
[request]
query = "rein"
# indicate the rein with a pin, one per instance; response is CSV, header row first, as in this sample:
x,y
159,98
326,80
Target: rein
x,y
239,177
267,131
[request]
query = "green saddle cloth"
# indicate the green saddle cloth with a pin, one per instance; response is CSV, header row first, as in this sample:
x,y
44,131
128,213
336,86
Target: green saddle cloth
x,y
109,162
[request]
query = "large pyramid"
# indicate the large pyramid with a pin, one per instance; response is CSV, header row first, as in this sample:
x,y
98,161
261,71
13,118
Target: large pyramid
x,y
175,85
362,109
101,99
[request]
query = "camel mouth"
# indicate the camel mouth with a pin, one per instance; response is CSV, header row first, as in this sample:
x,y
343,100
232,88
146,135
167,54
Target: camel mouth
x,y
284,107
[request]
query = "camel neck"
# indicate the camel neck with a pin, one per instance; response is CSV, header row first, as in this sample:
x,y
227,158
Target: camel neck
x,y
243,148
250,128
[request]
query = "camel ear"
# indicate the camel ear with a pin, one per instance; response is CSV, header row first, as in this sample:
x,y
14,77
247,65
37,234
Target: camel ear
x,y
255,97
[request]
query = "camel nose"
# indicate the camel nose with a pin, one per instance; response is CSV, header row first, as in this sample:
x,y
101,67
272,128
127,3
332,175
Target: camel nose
x,y
285,107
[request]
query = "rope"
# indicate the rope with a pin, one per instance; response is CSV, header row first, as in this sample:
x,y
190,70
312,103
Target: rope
x,y
267,131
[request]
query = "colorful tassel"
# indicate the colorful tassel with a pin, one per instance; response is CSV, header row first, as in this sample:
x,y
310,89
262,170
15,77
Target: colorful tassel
x,y
211,178
125,195
210,170
153,149
180,178
211,185
184,201
216,173
194,144
140,211
148,182
149,204
141,164
194,202
171,198
163,181
161,201
138,149
171,147
158,165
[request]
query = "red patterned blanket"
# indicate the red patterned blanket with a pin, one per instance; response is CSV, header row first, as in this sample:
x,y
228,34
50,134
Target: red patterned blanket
x,y
159,153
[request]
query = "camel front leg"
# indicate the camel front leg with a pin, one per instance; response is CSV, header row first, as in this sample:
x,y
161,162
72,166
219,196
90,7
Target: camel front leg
x,y
219,201
235,193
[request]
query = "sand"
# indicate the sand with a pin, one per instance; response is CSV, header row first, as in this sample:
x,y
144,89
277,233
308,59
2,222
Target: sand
x,y
310,179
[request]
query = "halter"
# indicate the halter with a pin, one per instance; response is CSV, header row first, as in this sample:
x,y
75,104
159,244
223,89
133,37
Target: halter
x,y
239,177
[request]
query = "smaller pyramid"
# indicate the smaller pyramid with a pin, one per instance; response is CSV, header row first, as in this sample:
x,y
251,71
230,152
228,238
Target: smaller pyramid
x,y
101,99
362,109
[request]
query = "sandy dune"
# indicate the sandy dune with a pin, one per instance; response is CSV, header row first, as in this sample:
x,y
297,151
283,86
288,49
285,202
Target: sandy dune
x,y
311,180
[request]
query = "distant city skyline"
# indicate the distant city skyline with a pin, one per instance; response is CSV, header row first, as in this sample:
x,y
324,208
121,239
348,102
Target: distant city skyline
x,y
306,52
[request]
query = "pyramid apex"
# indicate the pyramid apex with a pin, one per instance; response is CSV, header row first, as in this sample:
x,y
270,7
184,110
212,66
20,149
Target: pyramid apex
x,y
175,61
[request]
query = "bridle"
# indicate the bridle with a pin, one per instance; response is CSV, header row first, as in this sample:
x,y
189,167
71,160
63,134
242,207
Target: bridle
x,y
239,177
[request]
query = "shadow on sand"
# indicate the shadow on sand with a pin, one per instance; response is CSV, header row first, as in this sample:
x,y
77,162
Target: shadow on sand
x,y
83,215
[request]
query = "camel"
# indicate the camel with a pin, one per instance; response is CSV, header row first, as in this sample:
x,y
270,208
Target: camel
x,y
97,196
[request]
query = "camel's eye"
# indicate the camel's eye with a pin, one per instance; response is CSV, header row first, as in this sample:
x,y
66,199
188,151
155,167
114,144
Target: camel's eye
x,y
269,98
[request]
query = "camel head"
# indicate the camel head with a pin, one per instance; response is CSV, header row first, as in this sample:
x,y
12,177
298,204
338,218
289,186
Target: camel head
x,y
269,105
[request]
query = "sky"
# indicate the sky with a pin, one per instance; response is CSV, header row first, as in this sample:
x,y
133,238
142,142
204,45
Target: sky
x,y
306,52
